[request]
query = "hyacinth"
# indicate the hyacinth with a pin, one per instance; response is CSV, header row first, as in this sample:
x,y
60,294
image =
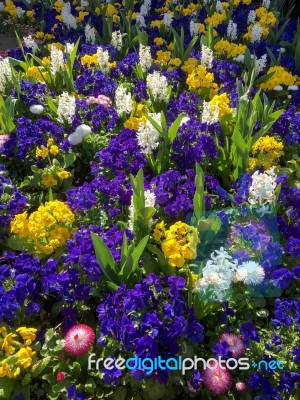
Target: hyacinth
x,y
157,84
79,339
262,189
145,58
5,73
66,107
117,39
149,202
90,35
232,30
206,56
56,59
218,380
124,101
103,59
68,19
147,135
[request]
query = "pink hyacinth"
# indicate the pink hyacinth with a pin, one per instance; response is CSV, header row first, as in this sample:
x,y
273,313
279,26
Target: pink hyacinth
x,y
79,339
240,386
235,343
100,99
217,380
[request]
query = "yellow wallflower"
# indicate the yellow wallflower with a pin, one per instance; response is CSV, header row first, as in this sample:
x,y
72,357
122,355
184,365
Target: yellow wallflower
x,y
159,41
266,153
28,334
19,225
201,79
221,104
25,356
54,150
229,49
216,19
48,180
64,174
280,77
133,123
41,152
155,24
163,57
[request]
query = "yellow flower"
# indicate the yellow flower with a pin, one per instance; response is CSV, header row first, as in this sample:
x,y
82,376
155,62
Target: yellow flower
x,y
155,24
48,180
30,13
25,356
266,153
221,104
133,123
54,150
280,77
19,225
41,152
64,174
28,334
163,57
159,41
230,50
176,260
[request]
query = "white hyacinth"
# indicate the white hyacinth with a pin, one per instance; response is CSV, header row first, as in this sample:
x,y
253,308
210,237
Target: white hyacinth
x,y
209,115
167,20
66,107
194,28
140,21
145,8
20,12
157,84
117,39
262,189
250,273
232,30
67,17
207,56
69,47
89,33
150,199
260,63
256,33
145,58
219,6
30,43
56,60
5,73
36,109
266,4
251,17
148,135
124,101
2,6
103,59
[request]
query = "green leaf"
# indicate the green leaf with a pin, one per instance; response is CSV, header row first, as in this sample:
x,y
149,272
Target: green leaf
x,y
105,258
112,286
132,262
199,197
119,393
61,386
38,367
6,387
14,242
69,159
174,128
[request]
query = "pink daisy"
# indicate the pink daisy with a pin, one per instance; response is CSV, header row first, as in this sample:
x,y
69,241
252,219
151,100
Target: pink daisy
x,y
79,339
217,380
235,343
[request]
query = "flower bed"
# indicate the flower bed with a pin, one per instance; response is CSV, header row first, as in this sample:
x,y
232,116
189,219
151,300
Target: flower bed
x,y
149,201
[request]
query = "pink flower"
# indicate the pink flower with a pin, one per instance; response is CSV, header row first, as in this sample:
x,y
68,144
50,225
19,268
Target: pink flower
x,y
79,339
217,380
235,343
240,386
61,376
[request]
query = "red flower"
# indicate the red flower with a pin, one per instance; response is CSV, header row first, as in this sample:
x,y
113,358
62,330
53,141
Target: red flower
x,y
79,339
61,376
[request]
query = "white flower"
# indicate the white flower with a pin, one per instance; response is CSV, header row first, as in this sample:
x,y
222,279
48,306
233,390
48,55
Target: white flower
x,y
75,138
240,58
219,6
262,189
89,32
232,30
147,135
194,28
66,107
150,199
124,102
250,272
251,17
256,33
145,57
84,3
2,6
69,47
140,20
5,73
184,120
293,87
207,56
278,88
260,63
56,60
83,130
263,210
117,39
266,4
103,59
36,109
20,12
30,43
157,84
146,7
282,50
209,115
67,17
167,20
